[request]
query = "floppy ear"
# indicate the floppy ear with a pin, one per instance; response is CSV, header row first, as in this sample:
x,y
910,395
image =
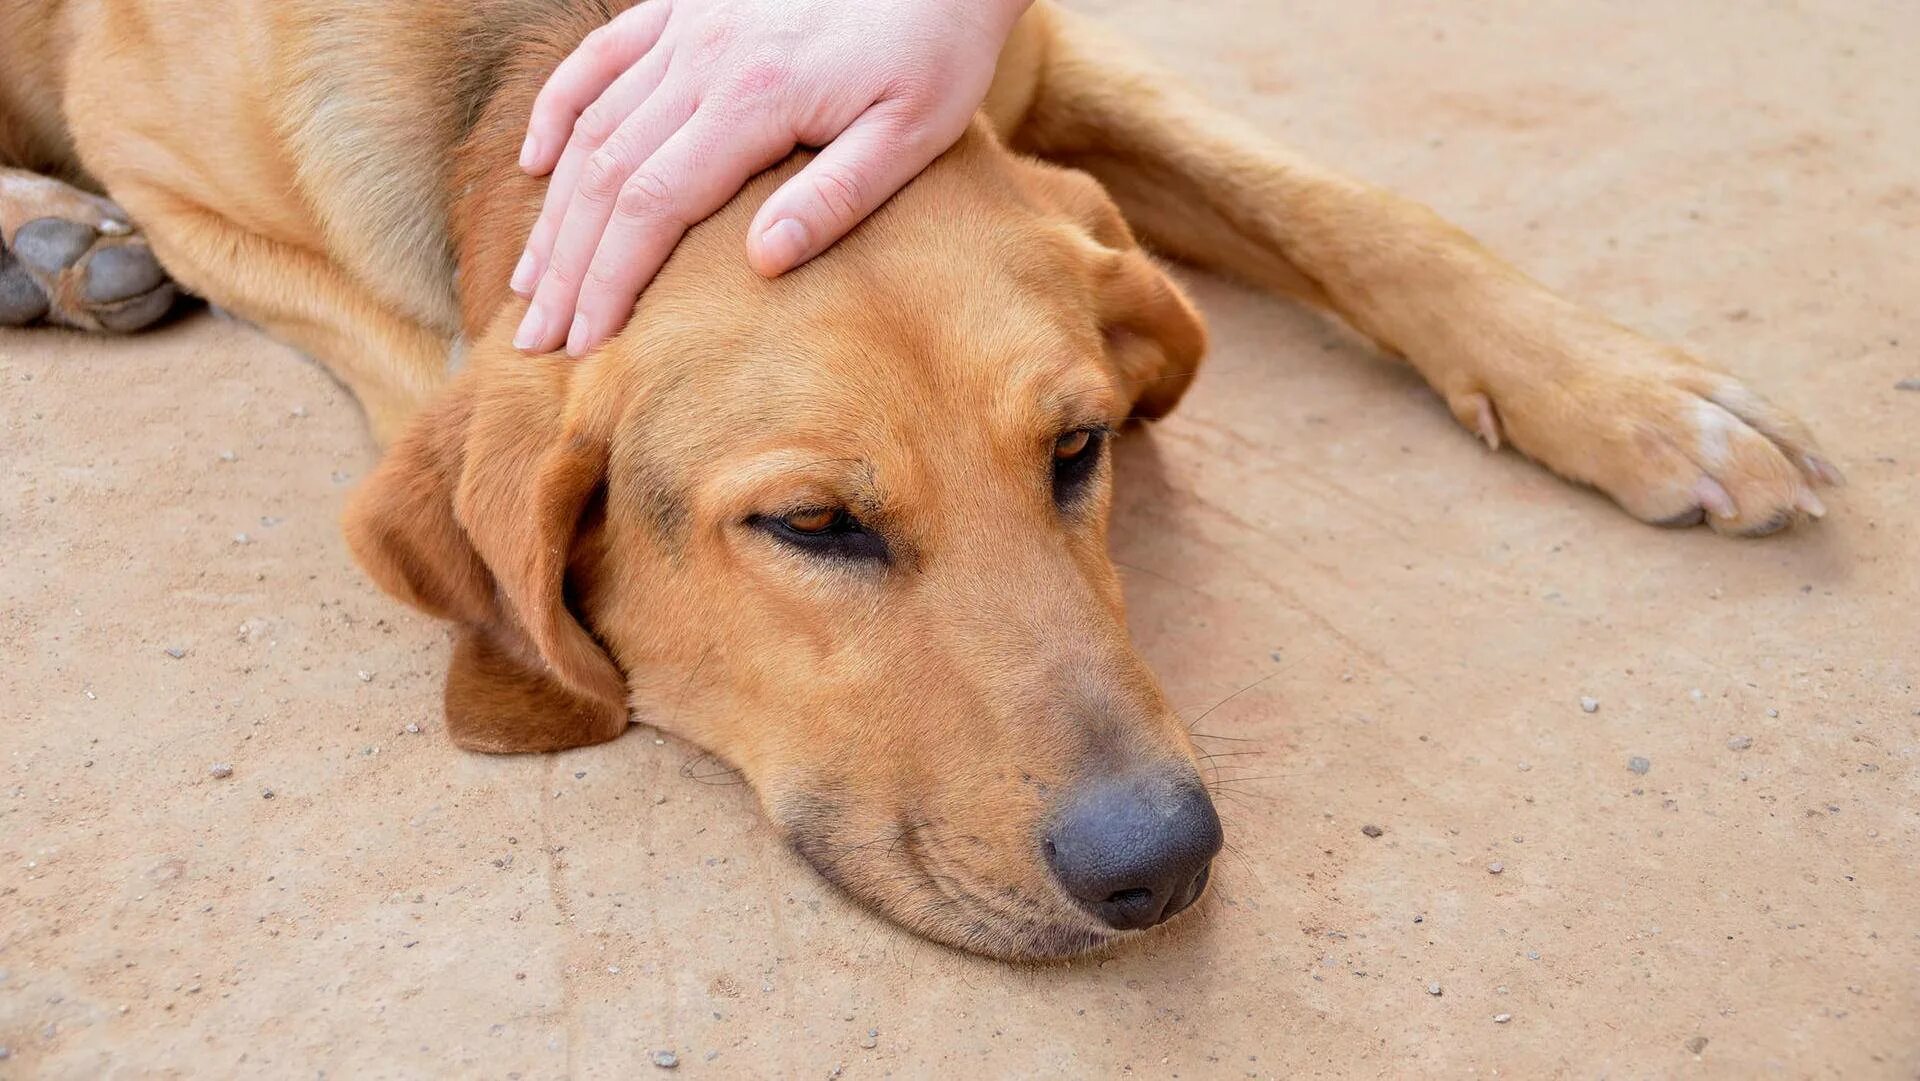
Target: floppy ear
x,y
472,517
1155,340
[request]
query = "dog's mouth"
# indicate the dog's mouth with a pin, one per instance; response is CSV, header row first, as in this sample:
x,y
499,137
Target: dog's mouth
x,y
926,877
930,880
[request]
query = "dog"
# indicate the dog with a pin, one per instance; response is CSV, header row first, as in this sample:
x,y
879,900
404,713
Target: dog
x,y
846,529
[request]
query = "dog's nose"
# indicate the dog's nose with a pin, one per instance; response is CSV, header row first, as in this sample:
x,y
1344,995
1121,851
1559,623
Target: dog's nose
x,y
1135,850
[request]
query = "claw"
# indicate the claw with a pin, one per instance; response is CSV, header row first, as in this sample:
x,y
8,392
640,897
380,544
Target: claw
x,y
1714,498
1824,471
1804,500
1475,413
1686,519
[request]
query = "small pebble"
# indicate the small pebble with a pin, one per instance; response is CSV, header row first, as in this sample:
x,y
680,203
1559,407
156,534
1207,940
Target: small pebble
x,y
365,676
1739,743
1533,955
666,1060
1433,988
1589,705
175,652
1638,764
229,456
659,799
871,1039
1697,1044
266,793
298,411
413,729
1526,767
242,538
221,770
579,774
1502,1018
1907,384
1771,712
1372,831
1496,867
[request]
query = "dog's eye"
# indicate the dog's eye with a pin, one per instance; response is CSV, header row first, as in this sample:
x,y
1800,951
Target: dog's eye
x,y
812,521
824,531
1076,457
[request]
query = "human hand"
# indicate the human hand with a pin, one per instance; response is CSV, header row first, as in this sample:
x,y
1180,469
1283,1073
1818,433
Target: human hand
x,y
661,116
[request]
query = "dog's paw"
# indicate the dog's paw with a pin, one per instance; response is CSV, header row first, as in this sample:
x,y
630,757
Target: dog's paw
x,y
72,258
1671,439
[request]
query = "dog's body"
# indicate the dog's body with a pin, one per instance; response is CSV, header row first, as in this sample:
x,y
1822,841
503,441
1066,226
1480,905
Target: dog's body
x,y
941,665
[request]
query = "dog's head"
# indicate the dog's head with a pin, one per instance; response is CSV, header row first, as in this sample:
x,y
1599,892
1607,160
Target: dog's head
x,y
846,530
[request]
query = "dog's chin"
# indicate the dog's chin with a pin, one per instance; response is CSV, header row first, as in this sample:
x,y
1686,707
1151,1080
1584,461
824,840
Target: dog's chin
x,y
937,907
897,875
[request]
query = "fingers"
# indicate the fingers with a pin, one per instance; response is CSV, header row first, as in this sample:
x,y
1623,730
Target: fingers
x,y
584,76
692,175
595,126
602,177
874,158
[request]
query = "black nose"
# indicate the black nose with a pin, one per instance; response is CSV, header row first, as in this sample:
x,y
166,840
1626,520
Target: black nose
x,y
1135,849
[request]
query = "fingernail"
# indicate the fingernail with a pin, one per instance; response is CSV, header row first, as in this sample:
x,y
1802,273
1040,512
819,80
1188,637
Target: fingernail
x,y
1810,503
524,278
527,150
532,329
577,336
783,245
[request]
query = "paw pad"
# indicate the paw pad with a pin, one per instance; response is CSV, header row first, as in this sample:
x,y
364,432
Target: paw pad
x,y
61,270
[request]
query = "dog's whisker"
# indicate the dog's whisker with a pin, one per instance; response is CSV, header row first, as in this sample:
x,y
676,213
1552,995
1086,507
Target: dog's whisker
x,y
1209,710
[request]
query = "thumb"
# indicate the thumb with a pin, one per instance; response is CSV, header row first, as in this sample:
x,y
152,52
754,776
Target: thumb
x,y
874,158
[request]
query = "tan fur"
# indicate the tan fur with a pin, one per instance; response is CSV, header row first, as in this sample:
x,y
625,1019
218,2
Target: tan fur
x,y
342,172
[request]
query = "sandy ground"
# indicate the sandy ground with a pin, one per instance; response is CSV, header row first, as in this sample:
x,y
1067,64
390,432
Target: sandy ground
x,y
1736,176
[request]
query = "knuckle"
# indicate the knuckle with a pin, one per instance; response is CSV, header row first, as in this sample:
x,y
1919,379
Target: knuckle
x,y
760,76
595,126
603,175
562,275
599,282
645,195
714,40
842,193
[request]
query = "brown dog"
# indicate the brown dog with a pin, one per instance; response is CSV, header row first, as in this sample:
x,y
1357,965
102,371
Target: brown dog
x,y
846,528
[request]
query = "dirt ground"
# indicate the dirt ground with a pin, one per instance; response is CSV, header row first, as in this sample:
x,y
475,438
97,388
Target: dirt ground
x,y
1426,618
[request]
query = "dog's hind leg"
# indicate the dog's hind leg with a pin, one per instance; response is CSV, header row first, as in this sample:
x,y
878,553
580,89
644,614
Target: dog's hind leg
x,y
74,259
1669,437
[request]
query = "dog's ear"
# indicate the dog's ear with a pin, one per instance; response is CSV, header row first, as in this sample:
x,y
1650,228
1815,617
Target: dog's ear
x,y
1155,340
472,517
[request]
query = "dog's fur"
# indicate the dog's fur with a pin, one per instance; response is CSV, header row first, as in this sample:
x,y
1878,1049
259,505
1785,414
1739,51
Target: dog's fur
x,y
342,173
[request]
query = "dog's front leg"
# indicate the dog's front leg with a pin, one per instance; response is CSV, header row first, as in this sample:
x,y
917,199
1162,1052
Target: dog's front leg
x,y
1668,436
